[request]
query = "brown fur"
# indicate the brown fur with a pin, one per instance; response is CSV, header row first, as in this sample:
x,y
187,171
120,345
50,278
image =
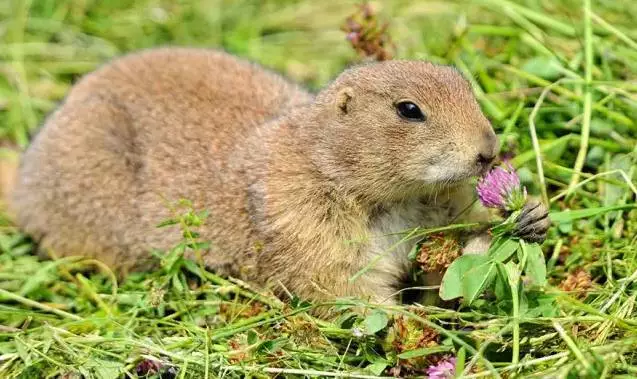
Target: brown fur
x,y
303,192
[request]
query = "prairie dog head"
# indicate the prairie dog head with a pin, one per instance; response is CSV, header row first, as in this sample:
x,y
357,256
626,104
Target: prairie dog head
x,y
401,127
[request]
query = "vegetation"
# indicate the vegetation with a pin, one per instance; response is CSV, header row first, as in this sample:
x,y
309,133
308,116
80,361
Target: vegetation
x,y
558,79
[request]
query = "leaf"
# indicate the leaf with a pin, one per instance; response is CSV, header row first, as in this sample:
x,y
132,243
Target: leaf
x,y
595,157
377,367
613,192
424,352
203,214
169,261
191,219
475,280
297,303
109,370
496,243
168,222
41,277
375,322
506,226
10,243
535,264
205,245
371,353
565,227
413,253
524,303
23,351
46,345
177,284
547,306
184,203
541,304
460,359
570,215
521,255
192,267
504,250
502,288
271,346
104,369
252,337
190,234
545,67
346,320
451,286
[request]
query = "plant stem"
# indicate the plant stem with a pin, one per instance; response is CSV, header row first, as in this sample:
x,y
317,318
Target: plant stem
x,y
207,356
516,324
35,304
618,33
588,98
536,143
514,281
571,344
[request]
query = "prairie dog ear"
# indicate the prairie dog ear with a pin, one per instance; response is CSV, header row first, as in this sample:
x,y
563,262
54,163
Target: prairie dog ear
x,y
343,98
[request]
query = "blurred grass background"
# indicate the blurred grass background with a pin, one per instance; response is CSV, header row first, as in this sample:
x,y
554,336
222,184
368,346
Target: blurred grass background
x,y
47,44
511,50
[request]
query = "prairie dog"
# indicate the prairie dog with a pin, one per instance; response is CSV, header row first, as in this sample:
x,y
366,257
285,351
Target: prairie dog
x,y
303,191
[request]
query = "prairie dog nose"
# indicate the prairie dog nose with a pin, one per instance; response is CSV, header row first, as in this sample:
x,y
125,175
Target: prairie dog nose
x,y
485,160
489,150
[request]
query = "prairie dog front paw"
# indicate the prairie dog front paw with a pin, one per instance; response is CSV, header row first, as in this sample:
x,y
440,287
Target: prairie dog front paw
x,y
533,222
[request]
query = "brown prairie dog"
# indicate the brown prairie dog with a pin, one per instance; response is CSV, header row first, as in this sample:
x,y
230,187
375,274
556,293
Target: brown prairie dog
x,y
303,191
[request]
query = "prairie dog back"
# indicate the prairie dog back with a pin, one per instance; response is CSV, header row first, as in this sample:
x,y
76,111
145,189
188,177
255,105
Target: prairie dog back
x,y
160,123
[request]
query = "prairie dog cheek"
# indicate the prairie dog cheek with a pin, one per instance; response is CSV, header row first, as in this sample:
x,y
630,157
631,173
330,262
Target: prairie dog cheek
x,y
439,165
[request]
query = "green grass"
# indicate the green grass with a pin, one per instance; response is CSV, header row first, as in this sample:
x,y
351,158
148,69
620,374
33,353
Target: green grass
x,y
558,79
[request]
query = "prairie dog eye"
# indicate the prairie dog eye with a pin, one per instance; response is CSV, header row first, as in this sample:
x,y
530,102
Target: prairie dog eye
x,y
410,111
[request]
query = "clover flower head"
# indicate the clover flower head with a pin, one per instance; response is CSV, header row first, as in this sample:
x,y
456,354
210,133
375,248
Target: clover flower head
x,y
500,188
445,369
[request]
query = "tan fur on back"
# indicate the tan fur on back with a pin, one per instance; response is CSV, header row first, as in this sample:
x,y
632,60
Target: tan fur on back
x,y
302,192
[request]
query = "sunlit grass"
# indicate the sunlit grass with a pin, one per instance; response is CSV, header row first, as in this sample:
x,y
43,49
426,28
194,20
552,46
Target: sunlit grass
x,y
558,80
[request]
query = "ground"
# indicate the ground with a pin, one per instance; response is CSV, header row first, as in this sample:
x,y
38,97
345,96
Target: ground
x,y
558,78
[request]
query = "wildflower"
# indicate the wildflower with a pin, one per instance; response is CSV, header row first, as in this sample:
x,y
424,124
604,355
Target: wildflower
x,y
578,281
501,188
356,332
149,367
367,35
444,369
239,353
408,334
437,253
354,38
